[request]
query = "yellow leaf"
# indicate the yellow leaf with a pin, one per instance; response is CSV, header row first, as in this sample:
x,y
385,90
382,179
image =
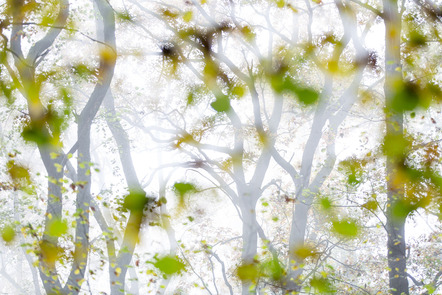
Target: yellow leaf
x,y
188,15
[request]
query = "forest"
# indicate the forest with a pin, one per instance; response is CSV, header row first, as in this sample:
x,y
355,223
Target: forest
x,y
220,147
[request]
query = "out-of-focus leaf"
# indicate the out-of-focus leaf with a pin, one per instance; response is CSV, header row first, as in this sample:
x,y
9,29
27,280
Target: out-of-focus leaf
x,y
8,233
346,228
182,188
354,170
272,269
370,205
325,203
306,95
430,288
406,97
187,16
221,104
57,227
238,91
322,285
280,84
395,145
136,200
305,251
248,272
248,33
169,265
49,252
17,172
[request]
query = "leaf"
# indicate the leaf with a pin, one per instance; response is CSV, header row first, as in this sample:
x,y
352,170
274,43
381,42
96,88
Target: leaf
x,y
17,172
187,16
182,188
345,227
325,203
305,251
272,269
8,233
136,200
322,285
57,227
406,97
247,272
370,205
395,145
430,288
169,265
221,104
306,95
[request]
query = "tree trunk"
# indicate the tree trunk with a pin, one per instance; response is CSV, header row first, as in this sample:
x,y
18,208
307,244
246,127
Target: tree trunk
x,y
395,226
249,237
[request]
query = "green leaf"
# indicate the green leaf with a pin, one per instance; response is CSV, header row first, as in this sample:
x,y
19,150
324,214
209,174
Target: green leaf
x,y
305,251
169,265
345,227
306,95
405,98
322,285
187,16
58,227
182,188
248,272
221,104
17,172
325,203
8,233
272,269
370,205
136,200
395,145
430,288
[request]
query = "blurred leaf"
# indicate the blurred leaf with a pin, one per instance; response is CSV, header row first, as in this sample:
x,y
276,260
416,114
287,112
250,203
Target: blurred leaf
x,y
402,208
49,252
370,205
248,272
305,251
307,96
182,188
136,200
325,203
248,33
187,16
322,285
395,145
238,91
35,132
280,3
190,98
169,265
430,288
57,227
124,16
8,233
272,269
221,104
406,97
354,170
17,172
345,227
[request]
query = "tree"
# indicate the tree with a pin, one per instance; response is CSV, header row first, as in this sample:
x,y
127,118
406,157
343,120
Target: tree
x,y
262,102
